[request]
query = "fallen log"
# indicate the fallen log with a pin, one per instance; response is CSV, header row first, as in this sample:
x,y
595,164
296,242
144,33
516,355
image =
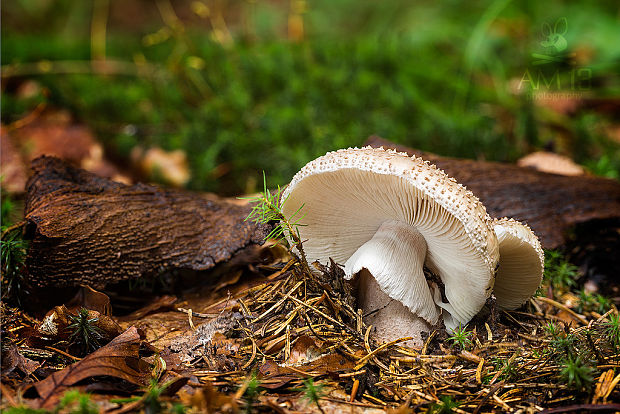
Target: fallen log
x,y
85,229
552,205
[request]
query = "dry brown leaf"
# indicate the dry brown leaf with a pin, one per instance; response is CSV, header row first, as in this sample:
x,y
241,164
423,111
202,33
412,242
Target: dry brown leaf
x,y
89,298
552,163
274,376
12,359
120,359
162,328
12,167
208,400
162,303
55,325
304,350
170,166
56,133
331,363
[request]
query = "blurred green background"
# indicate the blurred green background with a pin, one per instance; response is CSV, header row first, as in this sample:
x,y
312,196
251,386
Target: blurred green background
x,y
247,86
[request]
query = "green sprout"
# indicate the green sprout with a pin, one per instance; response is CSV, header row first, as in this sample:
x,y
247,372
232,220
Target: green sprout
x,y
84,332
251,392
560,273
80,403
313,393
13,253
72,402
553,330
151,397
445,405
267,209
507,367
563,343
7,208
612,330
461,337
576,372
593,302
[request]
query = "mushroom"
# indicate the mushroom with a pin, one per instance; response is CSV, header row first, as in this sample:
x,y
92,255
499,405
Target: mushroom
x,y
386,216
521,263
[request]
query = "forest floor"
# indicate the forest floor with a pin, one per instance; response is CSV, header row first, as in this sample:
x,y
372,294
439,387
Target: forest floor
x,y
272,337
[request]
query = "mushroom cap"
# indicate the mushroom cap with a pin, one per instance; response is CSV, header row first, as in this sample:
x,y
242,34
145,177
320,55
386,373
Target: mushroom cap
x,y
348,194
521,263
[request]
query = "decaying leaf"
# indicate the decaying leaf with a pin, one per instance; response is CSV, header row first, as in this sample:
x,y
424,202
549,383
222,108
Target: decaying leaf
x,y
170,167
89,298
12,359
55,325
303,351
209,341
12,167
56,133
160,304
551,162
274,376
120,359
208,400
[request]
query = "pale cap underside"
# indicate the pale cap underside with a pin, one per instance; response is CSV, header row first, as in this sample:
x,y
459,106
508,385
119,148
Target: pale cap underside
x,y
521,263
348,194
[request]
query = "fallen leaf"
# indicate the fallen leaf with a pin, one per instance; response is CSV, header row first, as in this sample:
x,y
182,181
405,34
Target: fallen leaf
x,y
274,376
12,168
331,363
162,303
55,133
12,359
304,350
120,359
169,166
173,384
55,325
173,362
92,299
551,162
161,328
208,400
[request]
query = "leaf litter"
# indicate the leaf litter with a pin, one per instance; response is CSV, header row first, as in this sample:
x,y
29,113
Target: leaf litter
x,y
263,341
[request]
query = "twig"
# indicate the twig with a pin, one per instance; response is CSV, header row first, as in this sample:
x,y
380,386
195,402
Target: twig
x,y
565,308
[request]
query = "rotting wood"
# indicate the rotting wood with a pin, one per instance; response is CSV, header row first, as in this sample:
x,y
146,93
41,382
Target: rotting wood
x,y
85,229
550,204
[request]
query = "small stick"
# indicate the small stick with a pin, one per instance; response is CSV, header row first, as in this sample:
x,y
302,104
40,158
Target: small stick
x,y
51,348
565,308
356,385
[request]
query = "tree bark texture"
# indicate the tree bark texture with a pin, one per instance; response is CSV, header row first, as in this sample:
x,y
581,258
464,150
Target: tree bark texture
x,y
550,204
85,229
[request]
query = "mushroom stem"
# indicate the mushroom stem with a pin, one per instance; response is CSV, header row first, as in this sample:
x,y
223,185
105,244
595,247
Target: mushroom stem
x,y
390,319
394,259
